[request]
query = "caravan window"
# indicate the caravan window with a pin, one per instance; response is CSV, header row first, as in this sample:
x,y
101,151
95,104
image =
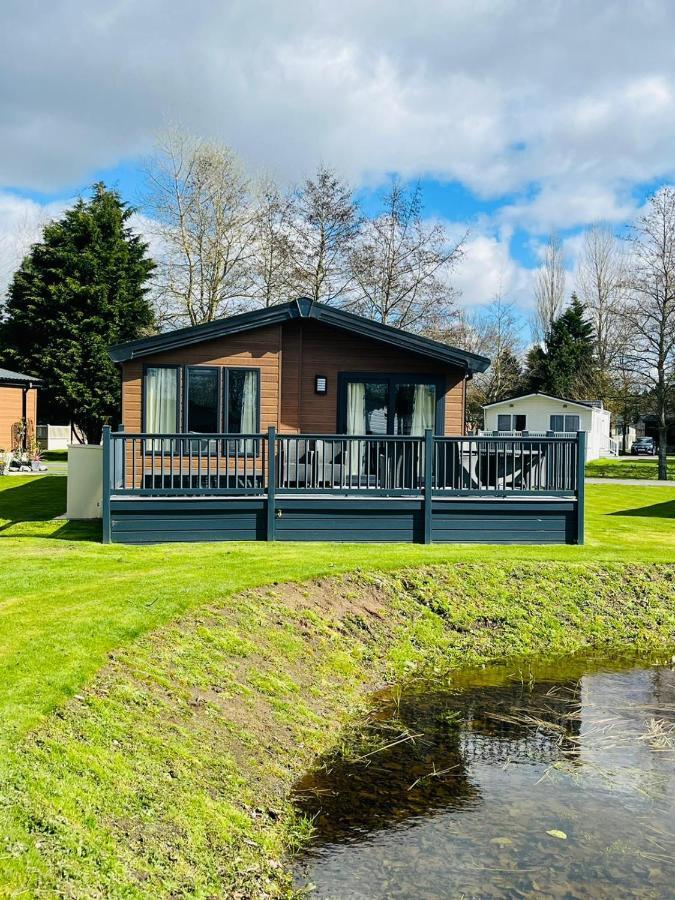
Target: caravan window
x,y
565,423
507,422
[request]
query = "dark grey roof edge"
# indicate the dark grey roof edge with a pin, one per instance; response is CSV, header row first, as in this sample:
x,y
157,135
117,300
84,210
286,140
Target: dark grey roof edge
x,y
305,309
195,334
18,378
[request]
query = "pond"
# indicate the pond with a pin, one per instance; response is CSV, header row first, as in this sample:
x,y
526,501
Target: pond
x,y
554,779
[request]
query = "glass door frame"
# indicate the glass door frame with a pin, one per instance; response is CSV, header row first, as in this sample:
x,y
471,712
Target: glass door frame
x,y
391,379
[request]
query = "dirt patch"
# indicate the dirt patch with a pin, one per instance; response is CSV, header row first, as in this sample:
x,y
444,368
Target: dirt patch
x,y
337,598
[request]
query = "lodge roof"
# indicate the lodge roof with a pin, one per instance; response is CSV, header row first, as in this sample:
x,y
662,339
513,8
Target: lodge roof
x,y
17,379
302,308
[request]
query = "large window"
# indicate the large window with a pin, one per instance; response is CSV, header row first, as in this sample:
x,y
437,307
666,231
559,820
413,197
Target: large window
x,y
507,422
201,399
565,423
389,404
214,399
160,399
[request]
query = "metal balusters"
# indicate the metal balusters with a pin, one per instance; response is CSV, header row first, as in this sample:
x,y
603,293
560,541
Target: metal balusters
x,y
345,464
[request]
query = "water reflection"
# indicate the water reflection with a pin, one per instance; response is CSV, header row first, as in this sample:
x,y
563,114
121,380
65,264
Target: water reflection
x,y
552,780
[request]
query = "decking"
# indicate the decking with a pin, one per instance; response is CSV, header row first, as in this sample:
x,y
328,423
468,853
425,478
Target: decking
x,y
291,487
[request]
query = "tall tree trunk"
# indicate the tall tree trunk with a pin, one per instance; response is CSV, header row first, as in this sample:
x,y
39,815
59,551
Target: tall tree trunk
x,y
662,403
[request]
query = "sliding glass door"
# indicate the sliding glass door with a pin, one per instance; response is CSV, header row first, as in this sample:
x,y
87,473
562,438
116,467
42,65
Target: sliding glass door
x,y
391,404
379,405
367,408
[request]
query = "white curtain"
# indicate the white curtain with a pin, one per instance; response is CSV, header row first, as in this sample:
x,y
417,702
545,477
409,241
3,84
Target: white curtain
x,y
249,406
161,402
424,409
161,395
356,408
356,422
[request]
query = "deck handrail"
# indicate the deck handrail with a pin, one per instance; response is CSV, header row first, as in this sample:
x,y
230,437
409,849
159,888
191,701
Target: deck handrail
x,y
220,464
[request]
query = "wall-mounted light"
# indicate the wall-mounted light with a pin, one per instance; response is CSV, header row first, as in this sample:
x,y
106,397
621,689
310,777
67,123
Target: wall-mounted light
x,y
320,384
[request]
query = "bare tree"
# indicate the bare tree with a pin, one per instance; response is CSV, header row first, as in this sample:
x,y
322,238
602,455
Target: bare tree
x,y
322,228
462,331
501,342
199,199
402,265
497,330
272,261
601,283
629,398
649,315
549,290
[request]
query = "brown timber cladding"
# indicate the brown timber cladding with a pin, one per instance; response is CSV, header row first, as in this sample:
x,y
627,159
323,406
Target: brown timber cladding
x,y
11,411
289,357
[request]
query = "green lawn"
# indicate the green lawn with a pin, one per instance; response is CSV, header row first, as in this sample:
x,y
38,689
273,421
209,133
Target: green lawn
x,y
94,810
627,467
66,600
55,455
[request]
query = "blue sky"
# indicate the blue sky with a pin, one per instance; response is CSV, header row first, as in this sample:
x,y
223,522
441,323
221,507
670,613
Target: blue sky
x,y
450,201
518,119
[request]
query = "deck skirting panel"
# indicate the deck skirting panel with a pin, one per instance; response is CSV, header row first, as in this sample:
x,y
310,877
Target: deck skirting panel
x,y
158,520
145,520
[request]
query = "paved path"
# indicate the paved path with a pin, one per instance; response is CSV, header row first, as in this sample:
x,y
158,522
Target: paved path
x,y
53,468
636,482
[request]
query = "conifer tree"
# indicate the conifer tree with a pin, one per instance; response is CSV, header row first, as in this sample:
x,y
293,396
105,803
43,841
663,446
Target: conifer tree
x,y
80,289
564,366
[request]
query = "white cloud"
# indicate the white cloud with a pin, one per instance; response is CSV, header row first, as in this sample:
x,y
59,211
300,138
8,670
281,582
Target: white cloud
x,y
566,94
568,204
560,107
488,271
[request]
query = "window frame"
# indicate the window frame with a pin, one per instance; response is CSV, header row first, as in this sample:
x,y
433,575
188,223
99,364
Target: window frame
x,y
391,379
504,416
225,396
565,417
182,387
186,396
144,403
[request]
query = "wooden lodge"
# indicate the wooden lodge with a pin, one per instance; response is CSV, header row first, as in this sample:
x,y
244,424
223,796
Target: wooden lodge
x,y
18,408
304,422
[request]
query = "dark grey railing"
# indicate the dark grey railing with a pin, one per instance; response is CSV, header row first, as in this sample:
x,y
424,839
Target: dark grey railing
x,y
223,464
351,464
266,465
188,464
524,465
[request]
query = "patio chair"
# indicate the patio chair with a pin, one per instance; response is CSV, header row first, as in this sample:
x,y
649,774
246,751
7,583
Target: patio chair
x,y
296,462
328,463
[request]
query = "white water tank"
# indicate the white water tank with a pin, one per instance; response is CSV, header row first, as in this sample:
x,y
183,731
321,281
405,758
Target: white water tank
x,y
85,481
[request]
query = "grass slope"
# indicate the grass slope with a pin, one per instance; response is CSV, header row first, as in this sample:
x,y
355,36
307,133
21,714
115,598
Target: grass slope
x,y
627,467
66,600
169,774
